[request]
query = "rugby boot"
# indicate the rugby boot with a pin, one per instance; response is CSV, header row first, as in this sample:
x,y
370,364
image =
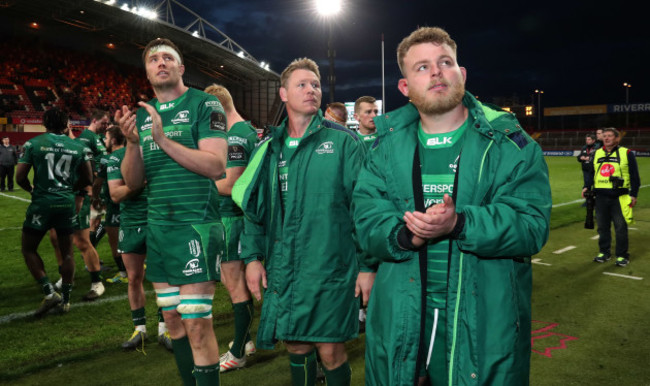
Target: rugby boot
x,y
47,304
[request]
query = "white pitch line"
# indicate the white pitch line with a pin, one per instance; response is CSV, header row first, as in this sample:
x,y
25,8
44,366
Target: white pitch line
x,y
595,237
583,200
624,276
14,197
10,228
570,247
537,261
23,315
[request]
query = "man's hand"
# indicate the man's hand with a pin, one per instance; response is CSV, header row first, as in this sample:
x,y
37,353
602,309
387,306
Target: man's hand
x,y
126,120
439,220
157,133
255,273
363,287
584,190
632,201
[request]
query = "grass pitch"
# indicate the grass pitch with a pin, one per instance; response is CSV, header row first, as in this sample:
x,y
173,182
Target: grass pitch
x,y
590,327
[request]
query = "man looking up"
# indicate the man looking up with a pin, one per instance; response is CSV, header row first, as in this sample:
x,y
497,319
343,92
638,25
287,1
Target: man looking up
x,y
61,165
177,144
453,200
242,138
365,110
296,196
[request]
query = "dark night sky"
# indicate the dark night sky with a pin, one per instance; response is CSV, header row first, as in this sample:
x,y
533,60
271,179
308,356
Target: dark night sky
x,y
577,52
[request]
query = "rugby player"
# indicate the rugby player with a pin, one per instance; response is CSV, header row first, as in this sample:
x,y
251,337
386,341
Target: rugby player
x,y
242,139
365,110
296,196
81,238
177,143
132,245
61,166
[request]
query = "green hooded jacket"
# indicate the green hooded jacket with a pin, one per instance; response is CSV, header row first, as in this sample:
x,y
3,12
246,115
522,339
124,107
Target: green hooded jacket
x,y
307,246
502,192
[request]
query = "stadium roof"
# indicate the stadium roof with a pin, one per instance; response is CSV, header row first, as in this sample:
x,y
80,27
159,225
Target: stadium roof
x,y
129,22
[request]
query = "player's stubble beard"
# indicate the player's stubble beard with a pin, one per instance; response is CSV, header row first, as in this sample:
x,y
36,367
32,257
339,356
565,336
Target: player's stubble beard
x,y
441,103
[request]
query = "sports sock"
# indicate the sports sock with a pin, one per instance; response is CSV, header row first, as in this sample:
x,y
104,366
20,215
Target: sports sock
x,y
97,234
251,310
95,276
243,319
66,288
184,360
341,375
207,375
161,318
139,317
46,286
119,262
303,369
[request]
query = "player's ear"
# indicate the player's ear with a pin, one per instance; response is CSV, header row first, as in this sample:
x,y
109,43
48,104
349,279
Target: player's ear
x,y
181,69
283,94
403,87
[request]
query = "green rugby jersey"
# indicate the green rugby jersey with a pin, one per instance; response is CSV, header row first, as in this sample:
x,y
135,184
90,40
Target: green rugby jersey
x,y
439,154
177,195
367,140
133,211
94,142
55,159
242,139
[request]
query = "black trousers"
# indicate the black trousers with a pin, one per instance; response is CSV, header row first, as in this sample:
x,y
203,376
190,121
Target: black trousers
x,y
8,172
608,210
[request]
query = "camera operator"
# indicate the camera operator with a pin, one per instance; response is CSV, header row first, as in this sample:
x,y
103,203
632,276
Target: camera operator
x,y
586,157
616,185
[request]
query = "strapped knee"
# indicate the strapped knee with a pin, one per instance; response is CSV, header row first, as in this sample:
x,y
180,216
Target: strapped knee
x,y
195,306
168,298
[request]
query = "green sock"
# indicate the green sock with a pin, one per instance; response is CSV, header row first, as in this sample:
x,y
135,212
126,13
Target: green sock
x,y
184,360
251,310
95,276
303,369
161,318
66,288
243,320
46,286
138,316
207,375
340,376
119,262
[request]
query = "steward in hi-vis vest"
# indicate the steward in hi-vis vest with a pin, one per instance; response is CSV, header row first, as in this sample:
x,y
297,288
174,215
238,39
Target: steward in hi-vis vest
x,y
616,185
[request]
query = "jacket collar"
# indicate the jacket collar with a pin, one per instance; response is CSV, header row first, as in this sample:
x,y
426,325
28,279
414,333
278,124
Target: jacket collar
x,y
314,126
407,115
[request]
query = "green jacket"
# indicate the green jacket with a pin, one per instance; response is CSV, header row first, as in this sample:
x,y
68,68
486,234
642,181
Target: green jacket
x,y
503,192
307,246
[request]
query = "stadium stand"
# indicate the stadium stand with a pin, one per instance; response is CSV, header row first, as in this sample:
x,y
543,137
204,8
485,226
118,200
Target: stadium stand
x,y
635,139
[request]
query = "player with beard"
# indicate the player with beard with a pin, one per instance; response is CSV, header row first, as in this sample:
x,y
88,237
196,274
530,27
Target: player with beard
x,y
452,202
177,143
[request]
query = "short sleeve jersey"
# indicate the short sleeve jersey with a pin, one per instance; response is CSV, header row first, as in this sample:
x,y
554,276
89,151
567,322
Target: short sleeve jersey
x,y
55,159
94,143
242,139
133,211
439,154
177,195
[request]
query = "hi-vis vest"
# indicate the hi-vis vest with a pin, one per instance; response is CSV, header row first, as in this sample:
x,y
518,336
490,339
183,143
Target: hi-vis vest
x,y
614,164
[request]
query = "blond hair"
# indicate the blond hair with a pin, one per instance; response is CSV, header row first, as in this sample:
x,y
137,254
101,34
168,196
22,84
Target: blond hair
x,y
222,94
298,64
421,35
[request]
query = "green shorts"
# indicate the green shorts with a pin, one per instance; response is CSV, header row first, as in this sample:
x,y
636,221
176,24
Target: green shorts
x,y
184,254
234,226
43,216
83,217
437,369
133,239
112,215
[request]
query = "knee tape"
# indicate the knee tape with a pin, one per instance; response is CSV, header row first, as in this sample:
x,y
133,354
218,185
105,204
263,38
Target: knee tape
x,y
195,306
168,298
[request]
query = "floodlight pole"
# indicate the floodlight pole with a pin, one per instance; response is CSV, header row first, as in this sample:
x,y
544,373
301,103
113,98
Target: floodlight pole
x,y
331,54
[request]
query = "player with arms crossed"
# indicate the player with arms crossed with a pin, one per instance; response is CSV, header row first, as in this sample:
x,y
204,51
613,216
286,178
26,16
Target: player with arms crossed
x,y
177,144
